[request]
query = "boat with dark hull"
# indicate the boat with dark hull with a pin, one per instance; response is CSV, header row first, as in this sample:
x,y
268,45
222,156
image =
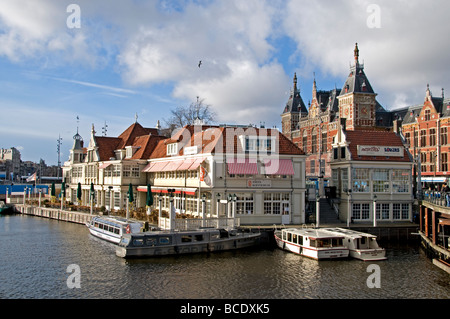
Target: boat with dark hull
x,y
159,243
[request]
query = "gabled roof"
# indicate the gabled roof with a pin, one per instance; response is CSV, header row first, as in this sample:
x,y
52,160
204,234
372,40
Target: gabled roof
x,y
357,81
217,139
295,103
144,139
374,138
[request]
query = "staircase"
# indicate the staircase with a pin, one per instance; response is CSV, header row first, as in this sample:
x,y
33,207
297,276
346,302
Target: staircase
x,y
327,213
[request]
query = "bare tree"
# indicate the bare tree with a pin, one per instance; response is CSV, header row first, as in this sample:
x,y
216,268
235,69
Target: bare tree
x,y
188,115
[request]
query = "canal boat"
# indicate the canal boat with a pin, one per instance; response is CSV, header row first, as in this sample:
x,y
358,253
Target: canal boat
x,y
311,242
111,228
159,243
5,209
361,245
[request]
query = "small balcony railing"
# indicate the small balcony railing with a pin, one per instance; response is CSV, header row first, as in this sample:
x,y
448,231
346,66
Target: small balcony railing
x,y
437,198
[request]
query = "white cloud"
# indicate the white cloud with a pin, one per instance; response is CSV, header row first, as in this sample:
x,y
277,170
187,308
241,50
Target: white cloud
x,y
409,50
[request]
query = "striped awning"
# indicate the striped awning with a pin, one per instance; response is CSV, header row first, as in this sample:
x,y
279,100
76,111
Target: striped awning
x,y
157,167
172,166
243,167
104,165
164,190
278,167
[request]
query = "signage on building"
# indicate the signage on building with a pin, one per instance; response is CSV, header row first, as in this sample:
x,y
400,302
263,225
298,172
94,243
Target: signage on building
x,y
191,150
259,183
371,150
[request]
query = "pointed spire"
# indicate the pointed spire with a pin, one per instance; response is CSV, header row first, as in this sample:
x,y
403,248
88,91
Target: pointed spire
x,y
295,82
314,92
356,53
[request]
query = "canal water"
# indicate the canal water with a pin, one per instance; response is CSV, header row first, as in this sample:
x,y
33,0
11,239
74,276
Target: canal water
x,y
35,254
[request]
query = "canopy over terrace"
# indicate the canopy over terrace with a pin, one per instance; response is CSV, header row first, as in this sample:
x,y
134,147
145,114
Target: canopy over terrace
x,y
189,164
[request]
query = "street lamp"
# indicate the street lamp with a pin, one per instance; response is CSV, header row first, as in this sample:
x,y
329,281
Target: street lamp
x,y
203,209
217,206
374,210
349,195
317,211
110,198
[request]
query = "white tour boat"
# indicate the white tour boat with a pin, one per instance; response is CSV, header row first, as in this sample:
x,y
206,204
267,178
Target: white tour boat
x,y
112,228
313,243
168,242
361,245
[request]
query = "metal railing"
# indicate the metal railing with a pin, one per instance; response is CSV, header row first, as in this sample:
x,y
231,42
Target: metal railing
x,y
437,198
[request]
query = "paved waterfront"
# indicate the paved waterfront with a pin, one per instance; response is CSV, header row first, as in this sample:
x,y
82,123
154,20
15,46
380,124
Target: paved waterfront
x,y
36,253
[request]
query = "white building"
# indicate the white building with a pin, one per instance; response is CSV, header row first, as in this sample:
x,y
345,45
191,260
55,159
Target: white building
x,y
255,174
371,168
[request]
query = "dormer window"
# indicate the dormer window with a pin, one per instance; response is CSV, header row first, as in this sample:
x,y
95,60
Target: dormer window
x,y
258,143
172,149
130,150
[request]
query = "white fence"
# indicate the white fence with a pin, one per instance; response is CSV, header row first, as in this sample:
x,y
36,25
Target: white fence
x,y
196,223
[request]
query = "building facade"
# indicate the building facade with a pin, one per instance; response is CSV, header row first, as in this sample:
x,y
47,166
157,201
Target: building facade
x,y
371,169
426,129
255,173
314,129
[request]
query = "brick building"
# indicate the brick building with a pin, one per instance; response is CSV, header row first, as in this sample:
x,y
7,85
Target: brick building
x,y
313,129
426,129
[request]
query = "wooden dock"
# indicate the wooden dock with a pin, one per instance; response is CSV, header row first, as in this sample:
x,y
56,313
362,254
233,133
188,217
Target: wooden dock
x,y
54,213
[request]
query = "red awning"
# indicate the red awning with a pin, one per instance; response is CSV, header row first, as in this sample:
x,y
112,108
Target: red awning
x,y
104,165
148,167
196,164
242,167
186,164
172,166
157,167
278,167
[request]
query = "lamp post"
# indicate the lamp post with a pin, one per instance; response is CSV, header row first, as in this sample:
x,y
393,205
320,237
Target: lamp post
x,y
217,206
229,203
203,209
349,197
160,210
317,211
234,209
171,208
374,210
110,198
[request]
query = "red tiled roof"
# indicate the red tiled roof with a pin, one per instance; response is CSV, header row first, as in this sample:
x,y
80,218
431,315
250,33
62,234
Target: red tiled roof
x,y
375,138
214,139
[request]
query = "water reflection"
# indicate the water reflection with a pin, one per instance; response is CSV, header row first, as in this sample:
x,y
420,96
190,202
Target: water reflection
x,y
36,252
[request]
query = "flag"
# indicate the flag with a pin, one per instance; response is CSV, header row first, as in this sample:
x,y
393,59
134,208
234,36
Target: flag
x,y
32,177
204,177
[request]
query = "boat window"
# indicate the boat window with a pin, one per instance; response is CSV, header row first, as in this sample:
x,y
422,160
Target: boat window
x,y
289,237
151,241
336,242
312,243
138,242
96,224
116,231
283,235
198,237
186,238
111,229
300,240
164,240
323,242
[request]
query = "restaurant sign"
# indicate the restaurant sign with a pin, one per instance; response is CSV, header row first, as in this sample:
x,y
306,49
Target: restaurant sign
x,y
252,183
371,150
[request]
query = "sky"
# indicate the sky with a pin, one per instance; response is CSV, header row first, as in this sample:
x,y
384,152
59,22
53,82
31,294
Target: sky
x,y
68,65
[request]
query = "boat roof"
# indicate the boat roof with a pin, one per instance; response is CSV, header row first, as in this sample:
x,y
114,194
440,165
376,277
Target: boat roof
x,y
114,220
313,233
170,232
349,233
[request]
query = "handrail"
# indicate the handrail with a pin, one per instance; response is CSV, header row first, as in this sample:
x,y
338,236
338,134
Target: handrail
x,y
437,198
